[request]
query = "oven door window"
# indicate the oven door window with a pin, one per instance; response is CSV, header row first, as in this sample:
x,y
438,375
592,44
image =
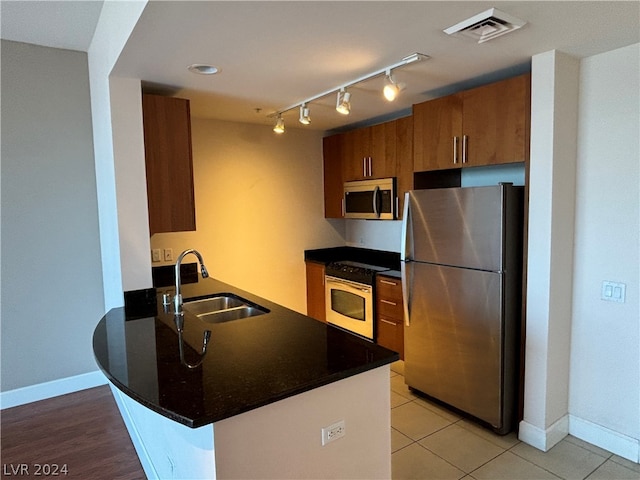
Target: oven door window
x,y
348,304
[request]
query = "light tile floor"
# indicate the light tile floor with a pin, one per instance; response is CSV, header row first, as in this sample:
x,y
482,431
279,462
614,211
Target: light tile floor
x,y
430,442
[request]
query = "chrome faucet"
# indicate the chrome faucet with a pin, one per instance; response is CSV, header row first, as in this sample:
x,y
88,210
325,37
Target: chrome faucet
x,y
177,301
206,336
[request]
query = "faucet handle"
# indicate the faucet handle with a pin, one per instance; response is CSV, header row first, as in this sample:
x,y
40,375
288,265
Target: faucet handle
x,y
166,298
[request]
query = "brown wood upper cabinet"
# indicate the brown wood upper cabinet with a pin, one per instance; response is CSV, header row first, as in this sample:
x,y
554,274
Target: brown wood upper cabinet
x,y
488,125
404,159
380,151
169,164
333,181
369,152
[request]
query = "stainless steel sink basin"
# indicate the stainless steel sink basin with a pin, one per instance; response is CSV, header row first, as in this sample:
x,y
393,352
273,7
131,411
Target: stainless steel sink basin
x,y
223,308
213,304
231,314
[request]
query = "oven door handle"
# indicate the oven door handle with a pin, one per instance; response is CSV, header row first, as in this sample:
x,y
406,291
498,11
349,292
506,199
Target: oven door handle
x,y
347,284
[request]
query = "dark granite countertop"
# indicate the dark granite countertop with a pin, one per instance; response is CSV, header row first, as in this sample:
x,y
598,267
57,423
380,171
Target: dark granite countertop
x,y
379,258
392,273
249,363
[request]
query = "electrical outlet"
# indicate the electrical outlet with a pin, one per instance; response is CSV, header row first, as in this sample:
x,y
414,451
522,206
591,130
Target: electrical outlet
x,y
168,254
333,432
155,255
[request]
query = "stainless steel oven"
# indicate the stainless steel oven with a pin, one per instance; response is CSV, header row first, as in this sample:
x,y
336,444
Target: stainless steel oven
x,y
349,296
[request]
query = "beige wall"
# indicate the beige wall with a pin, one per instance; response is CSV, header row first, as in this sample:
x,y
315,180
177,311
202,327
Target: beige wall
x,y
604,392
259,205
51,271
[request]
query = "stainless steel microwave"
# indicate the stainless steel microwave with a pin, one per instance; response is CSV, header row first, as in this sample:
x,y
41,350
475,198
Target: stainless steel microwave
x,y
370,199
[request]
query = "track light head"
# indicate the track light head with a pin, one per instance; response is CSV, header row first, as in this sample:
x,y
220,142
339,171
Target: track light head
x,y
304,115
279,127
392,89
343,103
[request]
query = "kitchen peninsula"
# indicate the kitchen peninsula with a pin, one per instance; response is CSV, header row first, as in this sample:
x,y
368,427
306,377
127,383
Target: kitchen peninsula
x,y
256,406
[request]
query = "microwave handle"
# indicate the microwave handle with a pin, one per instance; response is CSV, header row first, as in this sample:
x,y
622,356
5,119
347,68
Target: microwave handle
x,y
376,191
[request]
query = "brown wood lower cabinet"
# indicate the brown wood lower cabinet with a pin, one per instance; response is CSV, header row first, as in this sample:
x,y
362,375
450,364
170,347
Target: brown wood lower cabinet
x,y
315,290
390,314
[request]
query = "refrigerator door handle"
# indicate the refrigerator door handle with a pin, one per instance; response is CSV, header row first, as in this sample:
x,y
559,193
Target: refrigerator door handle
x,y
405,257
405,268
405,248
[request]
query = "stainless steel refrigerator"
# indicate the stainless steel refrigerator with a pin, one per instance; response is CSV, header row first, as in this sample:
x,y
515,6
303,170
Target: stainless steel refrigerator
x,y
462,275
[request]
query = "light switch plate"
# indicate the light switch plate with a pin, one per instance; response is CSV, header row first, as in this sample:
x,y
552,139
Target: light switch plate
x,y
168,254
156,255
613,291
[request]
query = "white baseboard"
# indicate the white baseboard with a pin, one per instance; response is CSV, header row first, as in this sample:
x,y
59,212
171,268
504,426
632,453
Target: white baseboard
x,y
544,439
615,442
612,441
54,388
136,439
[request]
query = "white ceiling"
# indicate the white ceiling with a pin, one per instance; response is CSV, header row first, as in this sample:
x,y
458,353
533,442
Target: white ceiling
x,y
276,54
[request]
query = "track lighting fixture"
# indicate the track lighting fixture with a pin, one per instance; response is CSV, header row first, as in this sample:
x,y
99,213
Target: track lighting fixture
x,y
304,115
392,89
279,127
343,103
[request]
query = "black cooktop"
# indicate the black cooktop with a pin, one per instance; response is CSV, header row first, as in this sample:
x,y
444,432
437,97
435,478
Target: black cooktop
x,y
354,271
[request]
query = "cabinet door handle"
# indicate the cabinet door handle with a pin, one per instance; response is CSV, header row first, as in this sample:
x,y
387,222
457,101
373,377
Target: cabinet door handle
x,y
388,302
455,150
370,167
389,322
465,140
364,166
388,282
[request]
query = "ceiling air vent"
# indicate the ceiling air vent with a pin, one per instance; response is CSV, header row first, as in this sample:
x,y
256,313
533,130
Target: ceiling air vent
x,y
486,25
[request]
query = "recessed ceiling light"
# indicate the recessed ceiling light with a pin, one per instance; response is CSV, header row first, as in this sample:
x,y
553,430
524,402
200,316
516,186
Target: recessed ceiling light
x,y
203,69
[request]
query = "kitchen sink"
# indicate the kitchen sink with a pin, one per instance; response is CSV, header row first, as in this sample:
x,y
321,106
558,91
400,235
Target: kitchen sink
x,y
223,308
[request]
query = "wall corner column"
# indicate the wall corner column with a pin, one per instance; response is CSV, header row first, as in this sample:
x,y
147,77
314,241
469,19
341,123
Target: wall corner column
x,y
117,21
554,127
